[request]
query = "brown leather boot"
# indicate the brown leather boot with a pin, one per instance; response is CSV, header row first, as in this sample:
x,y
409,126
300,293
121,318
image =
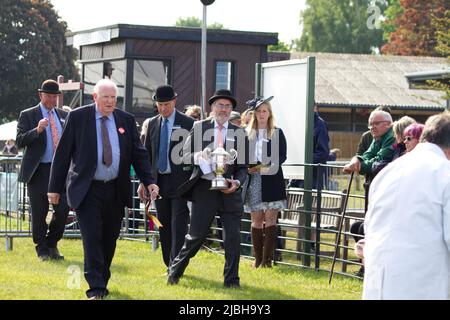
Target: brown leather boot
x,y
258,241
270,236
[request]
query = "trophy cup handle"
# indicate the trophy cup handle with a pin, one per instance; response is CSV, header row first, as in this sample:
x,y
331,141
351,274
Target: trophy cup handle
x,y
206,153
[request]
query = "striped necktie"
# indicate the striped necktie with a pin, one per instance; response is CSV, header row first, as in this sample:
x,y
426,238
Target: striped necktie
x,y
53,130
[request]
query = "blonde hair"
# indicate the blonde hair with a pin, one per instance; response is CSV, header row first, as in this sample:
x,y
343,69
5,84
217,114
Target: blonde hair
x,y
252,127
194,111
400,125
243,116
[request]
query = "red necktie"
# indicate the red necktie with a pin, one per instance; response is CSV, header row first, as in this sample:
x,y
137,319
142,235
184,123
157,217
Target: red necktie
x,y
53,130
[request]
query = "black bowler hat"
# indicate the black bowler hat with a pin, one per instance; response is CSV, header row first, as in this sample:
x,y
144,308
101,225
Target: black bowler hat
x,y
164,93
223,94
50,86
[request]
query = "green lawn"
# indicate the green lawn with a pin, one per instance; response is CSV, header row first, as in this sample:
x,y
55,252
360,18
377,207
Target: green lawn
x,y
138,273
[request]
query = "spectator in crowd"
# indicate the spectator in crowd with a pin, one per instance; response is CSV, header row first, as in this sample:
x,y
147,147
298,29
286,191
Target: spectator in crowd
x,y
205,202
246,116
380,124
235,118
321,153
38,132
172,211
407,250
97,148
412,135
193,111
10,148
398,128
266,193
398,147
380,151
367,138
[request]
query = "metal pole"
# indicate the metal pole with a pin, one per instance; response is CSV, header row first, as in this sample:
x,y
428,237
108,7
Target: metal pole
x,y
258,77
341,223
60,102
203,63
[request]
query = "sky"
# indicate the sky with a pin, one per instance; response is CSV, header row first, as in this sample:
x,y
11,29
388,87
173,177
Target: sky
x,y
281,16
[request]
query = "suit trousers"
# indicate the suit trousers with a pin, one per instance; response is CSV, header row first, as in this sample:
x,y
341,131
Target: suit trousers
x,y
205,205
100,217
45,236
173,213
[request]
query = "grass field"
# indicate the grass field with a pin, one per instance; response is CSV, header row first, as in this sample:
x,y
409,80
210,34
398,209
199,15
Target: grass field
x,y
138,273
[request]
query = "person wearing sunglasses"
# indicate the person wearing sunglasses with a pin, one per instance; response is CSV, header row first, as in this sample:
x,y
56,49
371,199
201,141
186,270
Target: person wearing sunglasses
x,y
412,135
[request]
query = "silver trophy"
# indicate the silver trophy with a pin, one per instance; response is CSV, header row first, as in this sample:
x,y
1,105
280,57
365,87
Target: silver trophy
x,y
220,159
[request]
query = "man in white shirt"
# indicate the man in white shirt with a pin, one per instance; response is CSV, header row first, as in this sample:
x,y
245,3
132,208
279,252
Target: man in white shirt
x,y
407,250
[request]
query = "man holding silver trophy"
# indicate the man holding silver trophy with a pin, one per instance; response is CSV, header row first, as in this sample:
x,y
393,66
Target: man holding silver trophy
x,y
216,148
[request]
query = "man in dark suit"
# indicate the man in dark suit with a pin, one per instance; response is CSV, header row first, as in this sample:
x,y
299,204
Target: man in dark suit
x,y
38,131
213,133
97,148
172,210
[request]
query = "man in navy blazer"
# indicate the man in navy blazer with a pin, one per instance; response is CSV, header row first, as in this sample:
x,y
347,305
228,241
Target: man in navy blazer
x,y
38,131
98,145
165,133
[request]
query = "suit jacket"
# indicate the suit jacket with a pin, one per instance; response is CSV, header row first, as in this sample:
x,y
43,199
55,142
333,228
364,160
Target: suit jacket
x,y
179,172
31,141
237,170
75,160
272,184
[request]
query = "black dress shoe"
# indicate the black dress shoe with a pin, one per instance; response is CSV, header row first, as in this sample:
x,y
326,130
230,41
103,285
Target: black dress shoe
x,y
232,285
44,257
172,280
97,294
55,255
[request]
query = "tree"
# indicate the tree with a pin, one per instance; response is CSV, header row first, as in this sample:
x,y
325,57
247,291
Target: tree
x,y
393,10
442,26
415,31
194,22
280,46
32,49
340,26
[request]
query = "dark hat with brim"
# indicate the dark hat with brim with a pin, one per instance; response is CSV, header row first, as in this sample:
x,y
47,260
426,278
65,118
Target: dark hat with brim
x,y
50,87
164,93
261,102
234,115
223,94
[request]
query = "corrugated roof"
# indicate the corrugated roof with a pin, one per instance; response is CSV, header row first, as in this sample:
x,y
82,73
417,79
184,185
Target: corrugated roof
x,y
359,80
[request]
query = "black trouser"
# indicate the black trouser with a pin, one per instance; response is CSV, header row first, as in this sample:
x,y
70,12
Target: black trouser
x,y
45,236
357,228
100,217
173,213
205,205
